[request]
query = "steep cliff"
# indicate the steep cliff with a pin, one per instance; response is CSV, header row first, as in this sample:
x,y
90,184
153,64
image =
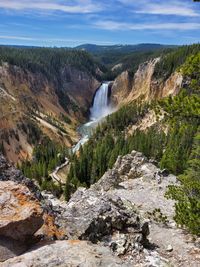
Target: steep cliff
x,y
30,100
144,85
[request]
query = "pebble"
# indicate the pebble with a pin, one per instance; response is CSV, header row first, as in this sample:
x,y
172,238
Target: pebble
x,y
169,248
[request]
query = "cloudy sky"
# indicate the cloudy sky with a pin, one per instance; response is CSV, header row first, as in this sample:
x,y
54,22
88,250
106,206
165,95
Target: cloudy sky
x,y
73,22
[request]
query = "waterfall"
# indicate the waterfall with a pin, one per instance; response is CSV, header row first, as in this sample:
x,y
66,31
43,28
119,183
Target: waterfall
x,y
101,107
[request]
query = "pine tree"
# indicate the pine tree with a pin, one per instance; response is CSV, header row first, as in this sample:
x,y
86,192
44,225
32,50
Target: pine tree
x,y
188,194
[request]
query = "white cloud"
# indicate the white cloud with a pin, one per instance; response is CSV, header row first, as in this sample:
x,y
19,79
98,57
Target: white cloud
x,y
178,8
168,10
53,40
113,25
13,37
48,5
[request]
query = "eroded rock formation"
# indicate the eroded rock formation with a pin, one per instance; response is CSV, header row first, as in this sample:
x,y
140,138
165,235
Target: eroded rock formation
x,y
143,85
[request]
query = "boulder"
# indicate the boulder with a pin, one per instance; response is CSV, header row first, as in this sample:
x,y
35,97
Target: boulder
x,y
21,213
67,253
20,217
9,173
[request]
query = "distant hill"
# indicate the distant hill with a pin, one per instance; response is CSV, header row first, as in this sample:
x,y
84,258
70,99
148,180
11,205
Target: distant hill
x,y
96,49
125,56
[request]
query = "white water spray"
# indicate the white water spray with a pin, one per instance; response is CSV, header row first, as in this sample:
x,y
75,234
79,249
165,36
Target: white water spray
x,y
101,107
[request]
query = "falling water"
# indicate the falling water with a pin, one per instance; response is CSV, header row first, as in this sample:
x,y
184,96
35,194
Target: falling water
x,y
101,107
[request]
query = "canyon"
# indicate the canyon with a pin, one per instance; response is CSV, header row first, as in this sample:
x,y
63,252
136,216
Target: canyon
x,y
30,99
122,217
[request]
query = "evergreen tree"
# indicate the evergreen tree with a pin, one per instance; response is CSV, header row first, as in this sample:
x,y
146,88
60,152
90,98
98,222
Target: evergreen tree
x,y
188,194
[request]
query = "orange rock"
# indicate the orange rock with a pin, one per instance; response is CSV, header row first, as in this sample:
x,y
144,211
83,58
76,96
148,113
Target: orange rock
x,y
49,230
20,212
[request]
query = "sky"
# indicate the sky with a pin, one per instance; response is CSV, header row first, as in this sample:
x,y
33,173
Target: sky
x,y
103,22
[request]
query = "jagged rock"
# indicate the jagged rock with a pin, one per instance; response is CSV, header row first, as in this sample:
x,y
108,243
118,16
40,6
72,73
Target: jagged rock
x,y
110,179
67,253
21,213
109,213
126,167
96,216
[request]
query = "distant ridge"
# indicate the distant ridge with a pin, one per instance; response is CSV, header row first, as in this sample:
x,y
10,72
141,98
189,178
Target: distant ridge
x,y
92,48
96,49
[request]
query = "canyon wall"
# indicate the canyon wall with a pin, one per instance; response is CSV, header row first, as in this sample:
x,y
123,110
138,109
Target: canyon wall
x,y
53,104
144,85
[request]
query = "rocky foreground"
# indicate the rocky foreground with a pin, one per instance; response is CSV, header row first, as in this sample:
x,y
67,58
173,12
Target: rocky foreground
x,y
122,220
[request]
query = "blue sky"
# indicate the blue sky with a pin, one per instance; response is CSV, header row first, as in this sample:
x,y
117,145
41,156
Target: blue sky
x,y
106,22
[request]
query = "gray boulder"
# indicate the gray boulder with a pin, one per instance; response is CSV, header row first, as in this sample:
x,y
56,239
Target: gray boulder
x,y
67,253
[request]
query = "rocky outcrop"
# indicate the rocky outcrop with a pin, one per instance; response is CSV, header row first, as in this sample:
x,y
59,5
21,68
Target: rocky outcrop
x,y
67,253
124,214
21,216
99,217
143,85
22,213
144,185
124,208
103,214
96,215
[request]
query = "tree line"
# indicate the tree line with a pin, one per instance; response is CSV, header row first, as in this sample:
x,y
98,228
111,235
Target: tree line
x,y
48,61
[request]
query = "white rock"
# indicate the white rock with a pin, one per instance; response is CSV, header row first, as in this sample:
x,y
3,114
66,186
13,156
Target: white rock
x,y
169,248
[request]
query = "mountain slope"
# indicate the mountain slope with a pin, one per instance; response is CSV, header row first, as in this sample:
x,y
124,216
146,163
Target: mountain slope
x,y
43,91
